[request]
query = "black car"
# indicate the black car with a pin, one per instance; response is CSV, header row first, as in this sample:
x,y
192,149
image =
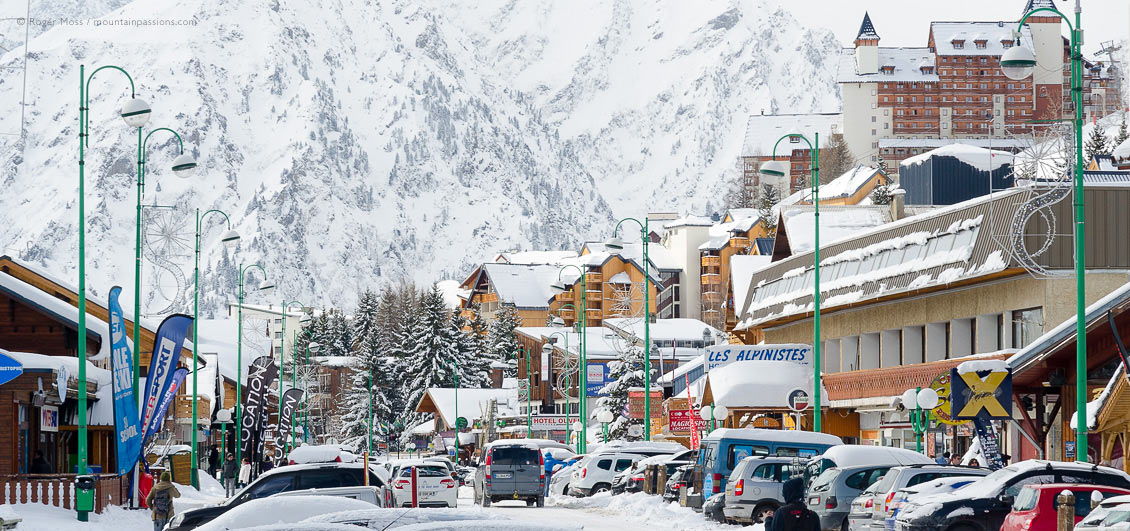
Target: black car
x,y
676,481
282,479
712,507
983,504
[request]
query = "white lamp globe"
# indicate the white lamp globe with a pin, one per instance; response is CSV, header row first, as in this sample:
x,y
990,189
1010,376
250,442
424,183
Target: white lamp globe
x,y
577,426
1018,62
909,398
136,112
230,239
721,412
184,166
266,287
706,413
927,398
604,416
773,168
615,243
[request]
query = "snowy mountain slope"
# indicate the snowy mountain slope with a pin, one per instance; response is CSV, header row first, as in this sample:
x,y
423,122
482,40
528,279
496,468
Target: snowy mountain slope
x,y
653,94
350,143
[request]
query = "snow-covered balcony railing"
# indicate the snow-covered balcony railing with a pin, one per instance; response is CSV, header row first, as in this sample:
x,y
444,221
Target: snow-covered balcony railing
x,y
740,242
594,294
58,490
594,278
711,278
709,261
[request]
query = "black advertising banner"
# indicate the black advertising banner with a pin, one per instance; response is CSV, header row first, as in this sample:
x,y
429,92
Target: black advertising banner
x,y
990,442
291,399
260,376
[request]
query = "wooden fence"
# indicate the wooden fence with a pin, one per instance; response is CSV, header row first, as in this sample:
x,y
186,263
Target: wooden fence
x,y
58,490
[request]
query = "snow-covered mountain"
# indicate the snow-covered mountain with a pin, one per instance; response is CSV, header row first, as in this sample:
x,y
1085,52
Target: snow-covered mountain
x,y
354,142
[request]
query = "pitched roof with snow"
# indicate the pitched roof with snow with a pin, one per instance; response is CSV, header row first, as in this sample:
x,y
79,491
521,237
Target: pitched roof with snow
x,y
757,384
524,286
836,223
947,35
849,183
742,268
904,65
535,257
1121,151
763,130
473,403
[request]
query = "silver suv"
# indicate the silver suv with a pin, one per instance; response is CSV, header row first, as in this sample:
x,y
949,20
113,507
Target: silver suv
x,y
832,492
753,490
883,492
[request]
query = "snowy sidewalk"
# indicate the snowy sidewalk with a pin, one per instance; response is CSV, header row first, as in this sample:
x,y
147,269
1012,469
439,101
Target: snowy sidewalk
x,y
640,508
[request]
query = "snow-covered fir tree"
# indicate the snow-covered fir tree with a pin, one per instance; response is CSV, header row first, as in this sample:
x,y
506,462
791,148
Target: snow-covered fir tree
x,y
1096,143
1123,134
626,373
371,383
474,367
502,344
429,354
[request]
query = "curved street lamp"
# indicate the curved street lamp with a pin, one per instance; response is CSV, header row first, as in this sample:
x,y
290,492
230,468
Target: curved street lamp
x,y
529,391
266,287
617,244
582,379
552,339
777,168
135,113
1018,63
604,416
230,238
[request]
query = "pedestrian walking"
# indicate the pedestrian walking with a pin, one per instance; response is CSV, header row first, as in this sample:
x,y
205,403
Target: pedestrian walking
x,y
213,460
245,473
229,474
160,500
943,459
550,463
793,515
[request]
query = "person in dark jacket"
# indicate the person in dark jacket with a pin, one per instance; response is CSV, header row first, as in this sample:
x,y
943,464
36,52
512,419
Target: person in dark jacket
x,y
229,472
160,500
39,465
793,515
213,460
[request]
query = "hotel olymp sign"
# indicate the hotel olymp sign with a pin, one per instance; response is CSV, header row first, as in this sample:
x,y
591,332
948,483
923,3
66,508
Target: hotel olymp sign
x,y
719,355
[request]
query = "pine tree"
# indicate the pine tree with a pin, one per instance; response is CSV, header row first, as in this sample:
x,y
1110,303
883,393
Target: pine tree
x,y
371,380
429,359
835,159
502,343
1123,134
627,374
474,367
1096,143
765,202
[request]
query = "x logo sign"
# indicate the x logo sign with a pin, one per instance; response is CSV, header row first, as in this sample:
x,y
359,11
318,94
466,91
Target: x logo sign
x,y
983,395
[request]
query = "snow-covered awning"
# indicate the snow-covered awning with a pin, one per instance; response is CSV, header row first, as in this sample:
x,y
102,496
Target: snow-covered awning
x,y
101,408
757,384
473,403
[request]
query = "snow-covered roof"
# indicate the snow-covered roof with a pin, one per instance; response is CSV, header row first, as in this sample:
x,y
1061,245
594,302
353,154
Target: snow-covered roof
x,y
335,361
741,213
600,343
718,236
269,309
978,157
757,384
60,309
524,286
661,259
453,295
836,223
205,381
620,278
1105,162
905,63
857,454
427,427
535,257
763,130
762,434
473,403
1094,407
991,143
849,183
866,29
1121,151
102,409
689,221
742,268
995,35
662,329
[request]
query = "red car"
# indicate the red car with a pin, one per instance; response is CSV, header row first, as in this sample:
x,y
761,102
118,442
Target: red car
x,y
1035,505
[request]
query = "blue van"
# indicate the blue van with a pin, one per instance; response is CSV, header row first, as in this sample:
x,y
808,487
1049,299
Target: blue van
x,y
724,448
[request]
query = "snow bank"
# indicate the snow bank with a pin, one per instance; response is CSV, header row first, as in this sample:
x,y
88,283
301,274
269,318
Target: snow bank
x,y
855,454
382,518
320,453
281,510
645,509
37,517
758,383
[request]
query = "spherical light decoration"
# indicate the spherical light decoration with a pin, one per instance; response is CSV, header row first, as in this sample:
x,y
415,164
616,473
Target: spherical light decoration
x,y
721,412
136,112
577,426
604,416
314,346
230,239
909,398
546,349
1018,62
774,168
557,321
927,398
706,413
305,319
184,166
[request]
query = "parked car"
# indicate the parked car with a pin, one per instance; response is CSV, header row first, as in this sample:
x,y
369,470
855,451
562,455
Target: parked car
x,y
559,483
724,448
712,508
1099,513
856,454
1116,518
632,479
320,453
434,485
753,491
900,477
908,494
511,469
1035,506
281,479
280,510
832,492
597,472
675,483
396,518
859,515
371,494
984,504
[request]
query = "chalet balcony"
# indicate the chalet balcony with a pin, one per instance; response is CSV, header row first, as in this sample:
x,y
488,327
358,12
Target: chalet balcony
x,y
594,313
565,295
712,296
488,297
739,242
594,294
566,313
711,278
594,278
711,261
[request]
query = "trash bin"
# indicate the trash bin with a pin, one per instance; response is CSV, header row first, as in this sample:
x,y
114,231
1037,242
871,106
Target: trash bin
x,y
84,496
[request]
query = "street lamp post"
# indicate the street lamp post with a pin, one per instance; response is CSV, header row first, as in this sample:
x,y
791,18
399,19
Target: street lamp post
x,y
1018,63
552,339
183,167
918,403
616,244
136,113
303,319
266,287
604,416
230,238
582,378
529,391
777,168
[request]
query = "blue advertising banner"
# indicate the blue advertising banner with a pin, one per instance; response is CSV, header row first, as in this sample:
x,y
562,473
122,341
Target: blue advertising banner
x,y
125,405
166,399
166,349
597,378
10,369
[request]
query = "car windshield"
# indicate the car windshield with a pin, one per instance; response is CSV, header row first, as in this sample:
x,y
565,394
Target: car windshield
x,y
1117,515
988,486
425,471
514,455
1026,500
825,479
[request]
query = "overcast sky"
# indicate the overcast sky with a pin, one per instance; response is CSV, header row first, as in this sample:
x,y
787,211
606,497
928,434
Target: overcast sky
x,y
907,22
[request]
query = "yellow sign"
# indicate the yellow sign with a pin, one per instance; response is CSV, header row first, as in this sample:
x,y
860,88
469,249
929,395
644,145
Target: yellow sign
x,y
983,394
941,385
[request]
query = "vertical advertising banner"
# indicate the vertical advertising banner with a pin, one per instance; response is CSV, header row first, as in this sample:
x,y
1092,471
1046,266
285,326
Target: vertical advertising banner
x,y
166,400
260,376
291,399
167,345
125,405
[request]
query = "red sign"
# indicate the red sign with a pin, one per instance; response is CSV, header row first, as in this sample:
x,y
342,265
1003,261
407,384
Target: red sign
x,y
636,404
684,421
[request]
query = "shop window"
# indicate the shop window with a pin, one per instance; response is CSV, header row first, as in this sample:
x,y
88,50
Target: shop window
x,y
1027,325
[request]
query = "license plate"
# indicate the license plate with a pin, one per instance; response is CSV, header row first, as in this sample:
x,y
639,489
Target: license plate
x,y
428,493
815,500
505,475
